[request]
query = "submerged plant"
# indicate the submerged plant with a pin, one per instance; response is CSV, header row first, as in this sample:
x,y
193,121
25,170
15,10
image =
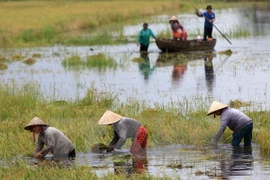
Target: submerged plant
x,y
29,61
100,61
73,61
17,57
3,66
36,55
2,59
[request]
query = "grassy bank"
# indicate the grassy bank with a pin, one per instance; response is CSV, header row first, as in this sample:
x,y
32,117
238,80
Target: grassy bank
x,y
181,124
167,124
42,23
35,23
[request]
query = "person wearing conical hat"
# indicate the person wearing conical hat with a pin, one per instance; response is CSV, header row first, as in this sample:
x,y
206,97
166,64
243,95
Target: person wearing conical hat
x,y
178,30
125,127
237,121
56,142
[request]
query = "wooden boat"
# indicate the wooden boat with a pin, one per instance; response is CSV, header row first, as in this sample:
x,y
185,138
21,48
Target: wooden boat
x,y
171,45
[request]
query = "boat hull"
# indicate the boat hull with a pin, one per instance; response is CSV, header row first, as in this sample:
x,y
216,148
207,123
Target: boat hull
x,y
171,45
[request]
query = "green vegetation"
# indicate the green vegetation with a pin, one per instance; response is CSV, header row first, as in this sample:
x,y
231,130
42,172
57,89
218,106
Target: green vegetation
x,y
3,66
180,123
99,61
39,23
29,61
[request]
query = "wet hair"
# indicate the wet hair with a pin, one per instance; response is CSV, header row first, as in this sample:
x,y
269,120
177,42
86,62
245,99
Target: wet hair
x,y
145,24
208,7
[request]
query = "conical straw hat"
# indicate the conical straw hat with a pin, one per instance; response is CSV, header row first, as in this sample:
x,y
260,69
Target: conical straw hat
x,y
174,18
215,106
35,122
109,117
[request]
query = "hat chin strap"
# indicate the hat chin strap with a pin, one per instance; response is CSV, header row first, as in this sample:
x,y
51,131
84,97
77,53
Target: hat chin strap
x,y
34,136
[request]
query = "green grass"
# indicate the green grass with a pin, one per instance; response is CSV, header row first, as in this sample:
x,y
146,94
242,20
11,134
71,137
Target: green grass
x,y
97,61
174,123
44,23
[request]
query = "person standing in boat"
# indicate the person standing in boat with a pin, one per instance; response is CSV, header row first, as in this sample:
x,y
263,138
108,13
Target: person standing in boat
x,y
237,121
178,30
144,37
209,16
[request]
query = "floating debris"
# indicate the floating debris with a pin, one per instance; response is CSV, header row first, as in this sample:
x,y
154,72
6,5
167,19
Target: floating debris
x,y
29,61
17,57
227,52
2,59
36,55
3,66
139,59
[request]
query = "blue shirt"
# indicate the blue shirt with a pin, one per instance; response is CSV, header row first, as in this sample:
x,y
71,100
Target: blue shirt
x,y
144,36
207,18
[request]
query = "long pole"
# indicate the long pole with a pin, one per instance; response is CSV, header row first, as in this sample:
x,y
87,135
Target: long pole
x,y
212,23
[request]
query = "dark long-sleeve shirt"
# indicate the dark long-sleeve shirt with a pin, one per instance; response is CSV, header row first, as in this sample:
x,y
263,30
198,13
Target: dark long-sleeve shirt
x,y
234,119
123,129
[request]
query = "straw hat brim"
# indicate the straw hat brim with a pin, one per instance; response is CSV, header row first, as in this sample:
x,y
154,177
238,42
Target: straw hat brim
x,y
215,106
109,117
174,18
35,122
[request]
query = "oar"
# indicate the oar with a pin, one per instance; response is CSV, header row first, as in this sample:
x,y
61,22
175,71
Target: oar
x,y
212,23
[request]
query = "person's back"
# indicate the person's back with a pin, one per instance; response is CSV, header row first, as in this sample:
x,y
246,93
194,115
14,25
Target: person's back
x,y
60,143
234,118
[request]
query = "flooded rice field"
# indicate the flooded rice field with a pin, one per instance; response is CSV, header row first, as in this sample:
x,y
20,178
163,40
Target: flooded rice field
x,y
243,76
177,162
239,76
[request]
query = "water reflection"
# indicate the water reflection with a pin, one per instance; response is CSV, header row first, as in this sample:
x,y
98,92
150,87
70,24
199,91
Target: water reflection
x,y
145,66
209,72
239,164
50,162
138,164
178,72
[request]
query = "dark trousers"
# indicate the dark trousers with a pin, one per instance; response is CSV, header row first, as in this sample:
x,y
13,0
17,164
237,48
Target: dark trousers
x,y
143,47
245,133
207,33
72,154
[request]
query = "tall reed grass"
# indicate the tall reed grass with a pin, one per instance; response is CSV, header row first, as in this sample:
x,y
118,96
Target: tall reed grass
x,y
183,123
35,23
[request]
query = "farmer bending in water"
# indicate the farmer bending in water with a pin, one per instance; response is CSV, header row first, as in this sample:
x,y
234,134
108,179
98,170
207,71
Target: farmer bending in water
x,y
56,142
124,128
237,121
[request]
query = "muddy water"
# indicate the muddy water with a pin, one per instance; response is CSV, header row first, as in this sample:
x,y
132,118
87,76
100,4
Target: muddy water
x,y
179,162
240,76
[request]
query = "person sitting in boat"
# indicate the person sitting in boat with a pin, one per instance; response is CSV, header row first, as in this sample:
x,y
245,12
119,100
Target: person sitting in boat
x,y
178,30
